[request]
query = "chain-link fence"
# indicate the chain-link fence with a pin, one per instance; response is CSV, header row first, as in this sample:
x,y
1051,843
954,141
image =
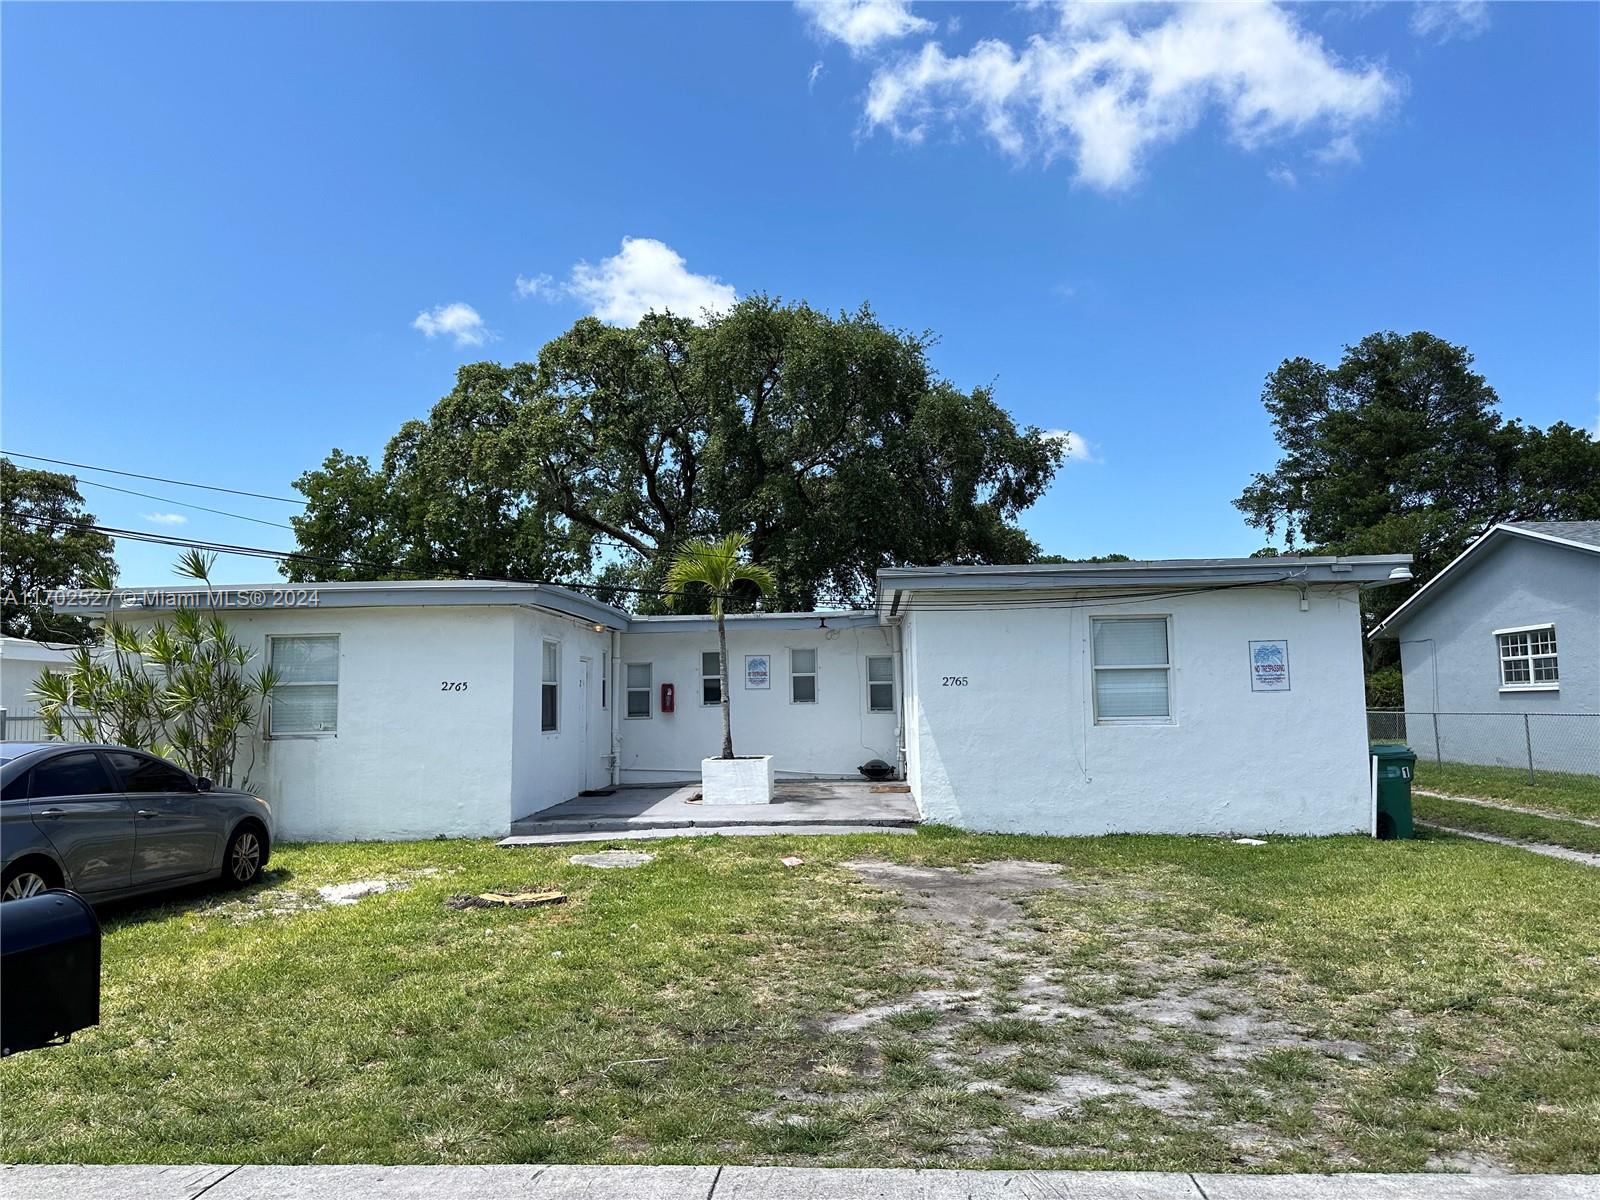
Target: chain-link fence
x,y
1568,743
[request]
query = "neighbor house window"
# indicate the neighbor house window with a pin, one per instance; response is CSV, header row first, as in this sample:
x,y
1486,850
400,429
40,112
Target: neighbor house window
x,y
638,689
880,683
1528,657
550,687
711,677
803,676
306,699
1132,670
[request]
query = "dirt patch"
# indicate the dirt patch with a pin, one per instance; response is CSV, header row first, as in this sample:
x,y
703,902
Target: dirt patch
x,y
1147,1015
983,895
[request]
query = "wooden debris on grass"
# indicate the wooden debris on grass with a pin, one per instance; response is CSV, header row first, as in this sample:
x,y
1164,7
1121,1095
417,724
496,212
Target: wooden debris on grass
x,y
506,900
792,860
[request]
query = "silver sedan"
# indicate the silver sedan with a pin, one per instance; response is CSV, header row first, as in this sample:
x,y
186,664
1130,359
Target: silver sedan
x,y
109,822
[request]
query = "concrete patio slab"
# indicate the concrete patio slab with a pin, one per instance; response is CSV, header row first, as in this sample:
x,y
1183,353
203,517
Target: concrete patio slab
x,y
642,835
795,802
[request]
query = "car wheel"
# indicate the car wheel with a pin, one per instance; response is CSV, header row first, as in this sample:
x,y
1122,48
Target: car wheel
x,y
246,855
27,879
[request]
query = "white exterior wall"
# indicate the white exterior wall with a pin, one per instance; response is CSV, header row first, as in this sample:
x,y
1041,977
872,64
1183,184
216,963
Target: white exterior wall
x,y
1017,749
21,661
549,767
409,760
829,738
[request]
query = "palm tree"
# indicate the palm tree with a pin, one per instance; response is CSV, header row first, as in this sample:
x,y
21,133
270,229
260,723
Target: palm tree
x,y
715,566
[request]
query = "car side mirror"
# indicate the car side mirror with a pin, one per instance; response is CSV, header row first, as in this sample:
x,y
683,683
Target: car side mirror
x,y
203,784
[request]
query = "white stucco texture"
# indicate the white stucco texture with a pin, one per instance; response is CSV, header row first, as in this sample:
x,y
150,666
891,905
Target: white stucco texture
x,y
1017,748
830,736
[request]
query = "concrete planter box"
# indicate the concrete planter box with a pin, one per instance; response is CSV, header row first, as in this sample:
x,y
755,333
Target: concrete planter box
x,y
736,780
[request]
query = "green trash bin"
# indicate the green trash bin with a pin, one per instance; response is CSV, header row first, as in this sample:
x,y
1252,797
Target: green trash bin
x,y
1395,767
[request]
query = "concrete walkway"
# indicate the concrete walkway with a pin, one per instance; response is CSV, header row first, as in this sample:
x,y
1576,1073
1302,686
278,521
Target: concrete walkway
x,y
752,1183
1507,806
1544,848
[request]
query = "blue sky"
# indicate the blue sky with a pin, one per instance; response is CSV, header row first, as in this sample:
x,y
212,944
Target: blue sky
x,y
233,234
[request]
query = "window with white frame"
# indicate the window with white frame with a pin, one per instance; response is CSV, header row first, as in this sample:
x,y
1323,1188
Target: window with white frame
x,y
803,676
1132,670
710,677
880,683
605,677
1528,657
306,699
638,690
550,687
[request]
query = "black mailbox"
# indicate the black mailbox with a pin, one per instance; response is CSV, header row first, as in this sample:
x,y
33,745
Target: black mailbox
x,y
49,970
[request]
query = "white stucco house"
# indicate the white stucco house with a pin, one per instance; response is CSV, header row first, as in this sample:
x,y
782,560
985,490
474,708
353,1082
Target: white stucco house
x,y
21,661
1192,696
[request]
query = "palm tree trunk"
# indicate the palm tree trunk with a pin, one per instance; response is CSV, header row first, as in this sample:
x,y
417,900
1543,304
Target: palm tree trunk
x,y
727,708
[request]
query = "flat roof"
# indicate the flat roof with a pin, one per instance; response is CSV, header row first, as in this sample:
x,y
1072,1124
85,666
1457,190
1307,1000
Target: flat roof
x,y
282,596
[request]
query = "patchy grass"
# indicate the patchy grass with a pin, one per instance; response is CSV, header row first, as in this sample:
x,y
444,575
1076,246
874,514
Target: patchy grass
x,y
1572,795
1524,827
1144,1002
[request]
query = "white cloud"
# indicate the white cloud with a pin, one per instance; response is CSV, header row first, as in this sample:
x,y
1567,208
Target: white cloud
x,y
460,321
1282,174
816,74
863,24
1447,20
1074,446
646,276
542,286
1106,84
1342,149
162,518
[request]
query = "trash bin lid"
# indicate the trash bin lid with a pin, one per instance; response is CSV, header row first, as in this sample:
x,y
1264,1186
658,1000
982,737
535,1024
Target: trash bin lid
x,y
1394,750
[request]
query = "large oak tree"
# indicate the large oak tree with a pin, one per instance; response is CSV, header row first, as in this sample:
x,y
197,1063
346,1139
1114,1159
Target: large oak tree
x,y
829,441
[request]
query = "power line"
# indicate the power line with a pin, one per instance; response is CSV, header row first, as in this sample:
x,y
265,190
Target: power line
x,y
111,487
234,548
210,487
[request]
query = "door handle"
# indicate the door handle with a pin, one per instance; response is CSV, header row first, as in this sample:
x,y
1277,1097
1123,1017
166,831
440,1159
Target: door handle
x,y
55,814
148,812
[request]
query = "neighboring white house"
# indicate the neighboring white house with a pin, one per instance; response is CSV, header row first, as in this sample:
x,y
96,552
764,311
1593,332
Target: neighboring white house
x,y
21,661
1215,695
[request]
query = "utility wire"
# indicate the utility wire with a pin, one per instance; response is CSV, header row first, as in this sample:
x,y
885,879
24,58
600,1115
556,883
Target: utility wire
x,y
210,487
111,487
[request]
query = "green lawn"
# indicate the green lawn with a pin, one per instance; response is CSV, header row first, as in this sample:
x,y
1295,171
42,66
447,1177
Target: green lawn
x,y
1155,1003
1574,795
1523,827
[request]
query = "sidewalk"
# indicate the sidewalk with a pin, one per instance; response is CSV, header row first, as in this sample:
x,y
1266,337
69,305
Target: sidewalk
x,y
750,1183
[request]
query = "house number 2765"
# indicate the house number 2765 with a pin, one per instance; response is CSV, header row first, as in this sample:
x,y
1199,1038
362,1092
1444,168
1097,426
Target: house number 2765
x,y
955,681
446,685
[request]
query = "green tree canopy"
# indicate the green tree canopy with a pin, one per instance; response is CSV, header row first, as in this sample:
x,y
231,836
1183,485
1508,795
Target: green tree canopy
x,y
1400,449
828,441
46,542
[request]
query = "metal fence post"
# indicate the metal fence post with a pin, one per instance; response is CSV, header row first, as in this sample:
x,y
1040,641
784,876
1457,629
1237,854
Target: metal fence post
x,y
1438,754
1527,736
